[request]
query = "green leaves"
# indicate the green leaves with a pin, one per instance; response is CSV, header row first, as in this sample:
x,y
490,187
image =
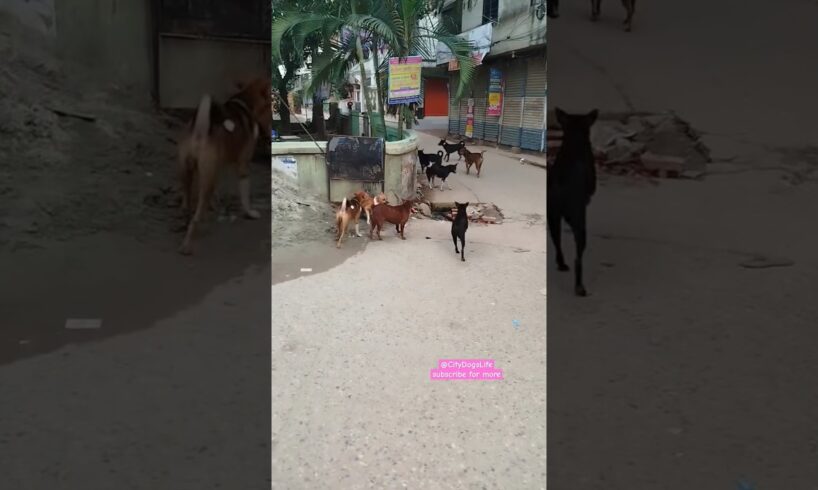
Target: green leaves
x,y
403,26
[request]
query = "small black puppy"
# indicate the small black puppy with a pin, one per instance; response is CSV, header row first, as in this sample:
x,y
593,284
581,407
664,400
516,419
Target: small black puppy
x,y
451,147
571,183
426,159
441,172
459,227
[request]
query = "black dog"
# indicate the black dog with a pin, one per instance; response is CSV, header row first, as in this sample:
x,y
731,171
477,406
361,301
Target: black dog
x,y
451,147
630,8
459,227
552,8
427,159
441,172
571,183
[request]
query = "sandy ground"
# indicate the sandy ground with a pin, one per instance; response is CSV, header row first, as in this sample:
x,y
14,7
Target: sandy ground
x,y
684,369
88,229
353,347
89,218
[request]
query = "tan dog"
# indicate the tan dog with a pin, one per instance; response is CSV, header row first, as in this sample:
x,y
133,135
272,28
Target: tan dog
x,y
349,212
471,158
367,203
221,135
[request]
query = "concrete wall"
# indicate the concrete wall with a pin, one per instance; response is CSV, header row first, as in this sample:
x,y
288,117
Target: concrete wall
x,y
190,67
108,39
472,16
517,28
399,169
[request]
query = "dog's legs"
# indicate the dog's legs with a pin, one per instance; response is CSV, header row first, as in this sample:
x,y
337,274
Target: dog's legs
x,y
244,192
579,237
402,228
341,223
454,239
358,229
468,167
595,10
577,223
368,220
555,228
207,173
630,7
463,248
186,173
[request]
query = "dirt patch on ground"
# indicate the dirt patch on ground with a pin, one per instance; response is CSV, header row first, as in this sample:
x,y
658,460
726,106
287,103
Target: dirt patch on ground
x,y
297,218
81,160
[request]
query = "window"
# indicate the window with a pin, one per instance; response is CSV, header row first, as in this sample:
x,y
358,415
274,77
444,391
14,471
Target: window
x,y
490,10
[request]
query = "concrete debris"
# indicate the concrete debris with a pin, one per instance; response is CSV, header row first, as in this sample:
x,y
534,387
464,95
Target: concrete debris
x,y
660,145
486,213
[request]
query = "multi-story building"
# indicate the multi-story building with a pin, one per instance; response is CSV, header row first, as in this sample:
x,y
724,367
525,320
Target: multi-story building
x,y
505,100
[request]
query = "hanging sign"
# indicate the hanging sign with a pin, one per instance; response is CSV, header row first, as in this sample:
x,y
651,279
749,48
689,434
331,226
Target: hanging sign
x,y
404,80
495,102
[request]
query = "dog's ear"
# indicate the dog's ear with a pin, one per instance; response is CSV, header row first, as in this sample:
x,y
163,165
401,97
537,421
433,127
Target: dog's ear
x,y
456,203
561,115
590,118
466,204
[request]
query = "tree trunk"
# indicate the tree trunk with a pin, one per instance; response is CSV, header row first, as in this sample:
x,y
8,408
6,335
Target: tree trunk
x,y
319,126
379,85
364,86
283,110
400,122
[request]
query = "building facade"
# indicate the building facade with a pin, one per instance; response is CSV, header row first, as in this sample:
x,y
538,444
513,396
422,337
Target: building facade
x,y
505,102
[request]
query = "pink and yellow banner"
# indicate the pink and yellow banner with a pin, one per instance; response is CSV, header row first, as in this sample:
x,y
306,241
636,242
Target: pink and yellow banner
x,y
404,80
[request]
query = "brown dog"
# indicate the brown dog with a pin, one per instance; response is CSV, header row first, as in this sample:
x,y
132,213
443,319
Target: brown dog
x,y
221,135
349,212
472,158
367,202
397,215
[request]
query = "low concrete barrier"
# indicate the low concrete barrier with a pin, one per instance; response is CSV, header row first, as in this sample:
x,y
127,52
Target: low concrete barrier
x,y
305,160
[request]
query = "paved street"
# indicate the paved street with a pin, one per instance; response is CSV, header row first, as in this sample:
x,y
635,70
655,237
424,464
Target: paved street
x,y
353,347
684,369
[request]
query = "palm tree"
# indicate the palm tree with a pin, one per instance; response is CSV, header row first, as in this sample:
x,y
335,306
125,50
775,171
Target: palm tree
x,y
395,23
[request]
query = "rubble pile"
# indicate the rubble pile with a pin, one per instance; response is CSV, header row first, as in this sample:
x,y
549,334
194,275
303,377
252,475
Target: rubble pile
x,y
658,145
486,213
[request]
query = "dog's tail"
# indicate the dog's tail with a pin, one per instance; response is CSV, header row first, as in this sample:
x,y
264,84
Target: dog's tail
x,y
440,153
344,205
201,125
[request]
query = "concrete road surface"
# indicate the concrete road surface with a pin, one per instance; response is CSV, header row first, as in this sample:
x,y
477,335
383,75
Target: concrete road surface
x,y
353,346
684,368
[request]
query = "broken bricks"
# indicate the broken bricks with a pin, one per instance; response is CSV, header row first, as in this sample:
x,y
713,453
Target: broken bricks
x,y
663,165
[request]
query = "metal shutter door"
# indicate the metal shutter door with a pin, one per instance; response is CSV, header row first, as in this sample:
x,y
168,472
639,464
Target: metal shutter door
x,y
513,103
464,111
481,85
491,126
454,106
533,131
